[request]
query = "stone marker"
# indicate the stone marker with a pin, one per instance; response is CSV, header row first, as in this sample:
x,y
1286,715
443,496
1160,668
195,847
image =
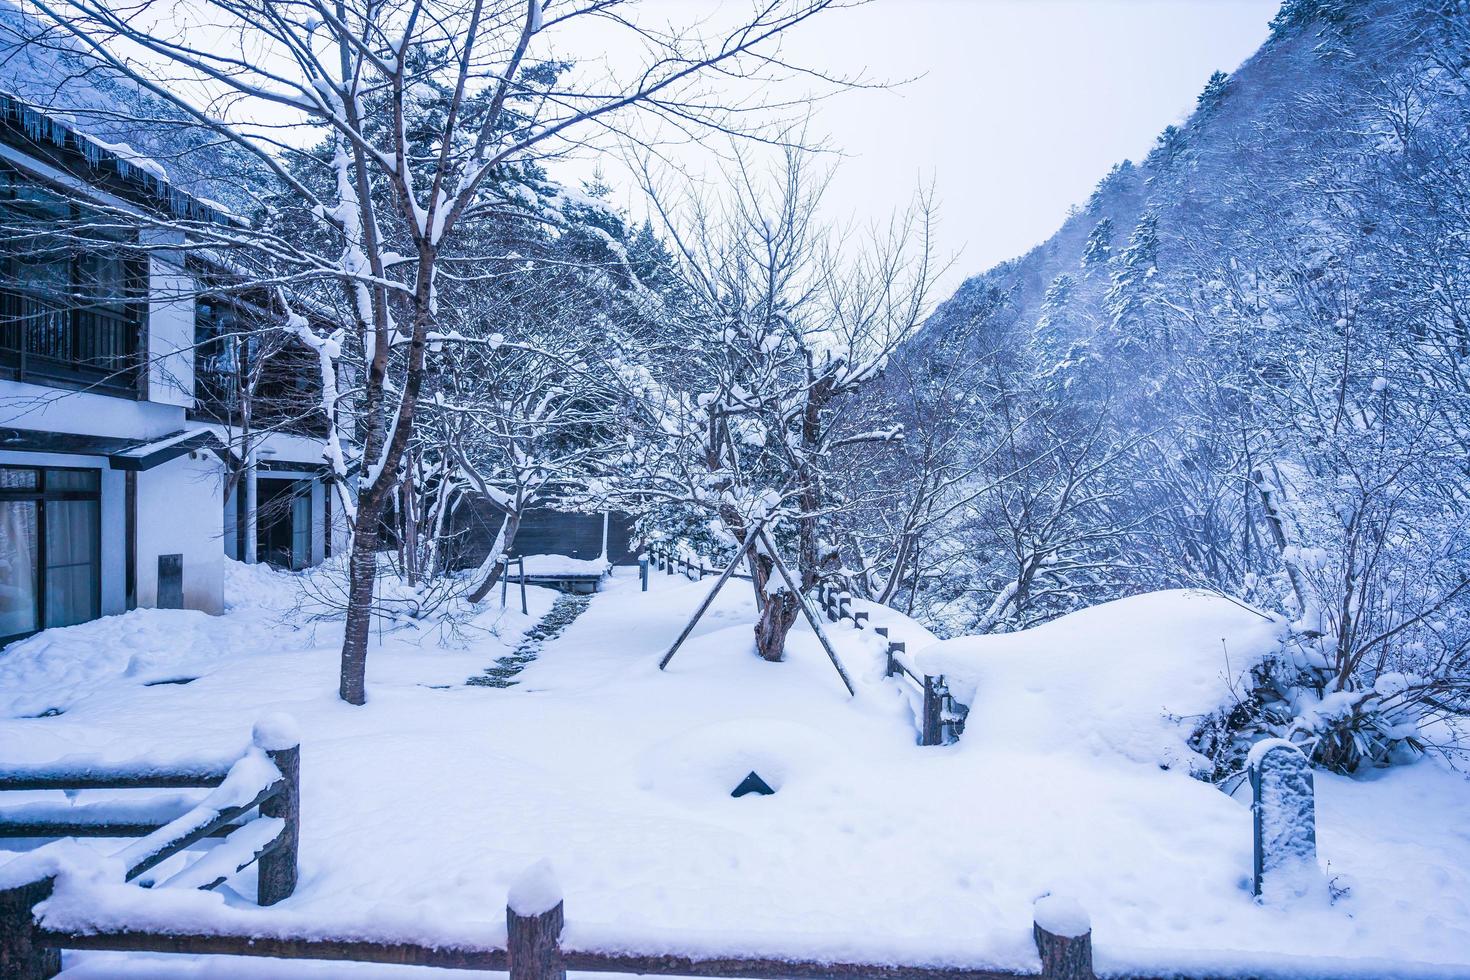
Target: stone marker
x,y
1284,820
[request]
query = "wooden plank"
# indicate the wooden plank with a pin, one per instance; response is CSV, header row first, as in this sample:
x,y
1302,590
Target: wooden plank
x,y
168,849
762,968
60,829
464,957
17,778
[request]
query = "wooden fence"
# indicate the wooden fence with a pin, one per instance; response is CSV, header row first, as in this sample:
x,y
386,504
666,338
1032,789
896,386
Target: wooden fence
x,y
265,780
941,718
31,941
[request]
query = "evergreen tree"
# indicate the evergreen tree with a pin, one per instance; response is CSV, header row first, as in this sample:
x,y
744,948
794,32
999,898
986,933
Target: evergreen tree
x,y
1213,94
1129,297
1099,247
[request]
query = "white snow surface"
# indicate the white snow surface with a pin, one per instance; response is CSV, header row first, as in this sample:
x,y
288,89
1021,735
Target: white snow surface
x,y
422,808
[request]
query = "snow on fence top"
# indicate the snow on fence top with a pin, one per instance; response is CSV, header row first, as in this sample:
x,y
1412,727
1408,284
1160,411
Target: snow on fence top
x,y
1117,677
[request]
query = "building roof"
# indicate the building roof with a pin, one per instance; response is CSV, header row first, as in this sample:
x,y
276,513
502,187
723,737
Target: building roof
x,y
121,454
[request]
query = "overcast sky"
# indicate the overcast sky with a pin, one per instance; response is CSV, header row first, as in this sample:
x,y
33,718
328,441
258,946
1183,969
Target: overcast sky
x,y
1022,105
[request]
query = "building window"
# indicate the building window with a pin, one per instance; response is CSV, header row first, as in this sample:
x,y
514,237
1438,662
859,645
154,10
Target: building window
x,y
72,293
243,359
283,522
50,548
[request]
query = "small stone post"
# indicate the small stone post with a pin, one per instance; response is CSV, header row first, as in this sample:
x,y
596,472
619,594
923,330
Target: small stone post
x,y
1283,819
1063,935
276,871
20,957
533,921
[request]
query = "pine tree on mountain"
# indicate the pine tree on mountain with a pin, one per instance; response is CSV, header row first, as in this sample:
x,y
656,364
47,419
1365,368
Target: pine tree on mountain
x,y
1099,247
1213,93
1166,148
1131,294
1295,14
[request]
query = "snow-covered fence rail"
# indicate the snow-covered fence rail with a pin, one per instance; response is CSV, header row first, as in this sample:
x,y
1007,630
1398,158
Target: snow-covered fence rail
x,y
266,780
671,559
45,914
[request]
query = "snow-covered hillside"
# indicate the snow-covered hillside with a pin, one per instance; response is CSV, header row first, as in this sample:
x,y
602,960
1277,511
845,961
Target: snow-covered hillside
x,y
422,808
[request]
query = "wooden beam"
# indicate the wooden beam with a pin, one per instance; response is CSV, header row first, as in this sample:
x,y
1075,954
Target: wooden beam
x,y
810,616
709,599
464,957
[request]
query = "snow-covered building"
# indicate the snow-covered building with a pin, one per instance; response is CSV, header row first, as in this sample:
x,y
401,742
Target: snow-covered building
x,y
121,482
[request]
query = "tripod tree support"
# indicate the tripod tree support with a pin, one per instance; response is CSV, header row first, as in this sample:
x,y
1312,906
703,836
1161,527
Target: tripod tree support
x,y
810,616
709,599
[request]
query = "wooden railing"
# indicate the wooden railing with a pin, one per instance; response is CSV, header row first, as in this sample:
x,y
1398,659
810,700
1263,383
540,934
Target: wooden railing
x,y
266,780
530,948
941,718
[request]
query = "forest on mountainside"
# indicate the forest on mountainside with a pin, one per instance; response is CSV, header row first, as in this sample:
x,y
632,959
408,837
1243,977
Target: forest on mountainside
x,y
1242,365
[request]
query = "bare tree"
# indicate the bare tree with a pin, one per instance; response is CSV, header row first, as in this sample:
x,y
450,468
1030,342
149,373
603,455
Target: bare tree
x,y
382,211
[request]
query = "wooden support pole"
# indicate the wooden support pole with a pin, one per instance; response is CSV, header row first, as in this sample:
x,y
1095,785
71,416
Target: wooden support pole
x,y
277,870
643,572
1063,939
710,598
22,956
533,943
807,611
525,611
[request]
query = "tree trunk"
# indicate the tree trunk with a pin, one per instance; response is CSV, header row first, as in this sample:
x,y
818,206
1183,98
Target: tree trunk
x,y
502,544
776,618
362,570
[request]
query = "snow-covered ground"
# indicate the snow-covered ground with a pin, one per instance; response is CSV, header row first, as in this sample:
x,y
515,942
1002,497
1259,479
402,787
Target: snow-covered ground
x,y
424,806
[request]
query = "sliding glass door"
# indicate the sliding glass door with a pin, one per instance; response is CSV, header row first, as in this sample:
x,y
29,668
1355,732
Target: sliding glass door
x,y
50,548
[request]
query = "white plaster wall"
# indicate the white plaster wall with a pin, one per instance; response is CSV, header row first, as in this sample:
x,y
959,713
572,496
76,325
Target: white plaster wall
x,y
170,322
114,550
28,406
181,511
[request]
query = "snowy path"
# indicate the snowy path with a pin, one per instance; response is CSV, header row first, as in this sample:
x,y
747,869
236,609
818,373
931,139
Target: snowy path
x,y
429,802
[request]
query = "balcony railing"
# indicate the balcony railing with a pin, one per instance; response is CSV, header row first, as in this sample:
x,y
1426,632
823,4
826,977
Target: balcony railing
x,y
91,347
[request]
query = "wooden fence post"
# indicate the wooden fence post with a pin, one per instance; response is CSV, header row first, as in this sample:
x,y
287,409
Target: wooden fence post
x,y
20,956
895,647
643,572
533,921
860,620
931,725
844,605
276,871
1063,939
524,610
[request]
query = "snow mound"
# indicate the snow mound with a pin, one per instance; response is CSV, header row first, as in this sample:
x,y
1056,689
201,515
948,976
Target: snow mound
x,y
708,763
1126,678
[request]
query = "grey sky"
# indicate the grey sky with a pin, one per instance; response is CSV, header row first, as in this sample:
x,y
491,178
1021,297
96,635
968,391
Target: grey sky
x,y
1022,107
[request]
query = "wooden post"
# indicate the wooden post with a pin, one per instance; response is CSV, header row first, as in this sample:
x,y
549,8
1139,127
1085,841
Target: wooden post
x,y
668,563
524,610
844,605
704,606
643,572
895,647
533,934
504,579
20,956
276,878
930,728
860,620
1063,939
